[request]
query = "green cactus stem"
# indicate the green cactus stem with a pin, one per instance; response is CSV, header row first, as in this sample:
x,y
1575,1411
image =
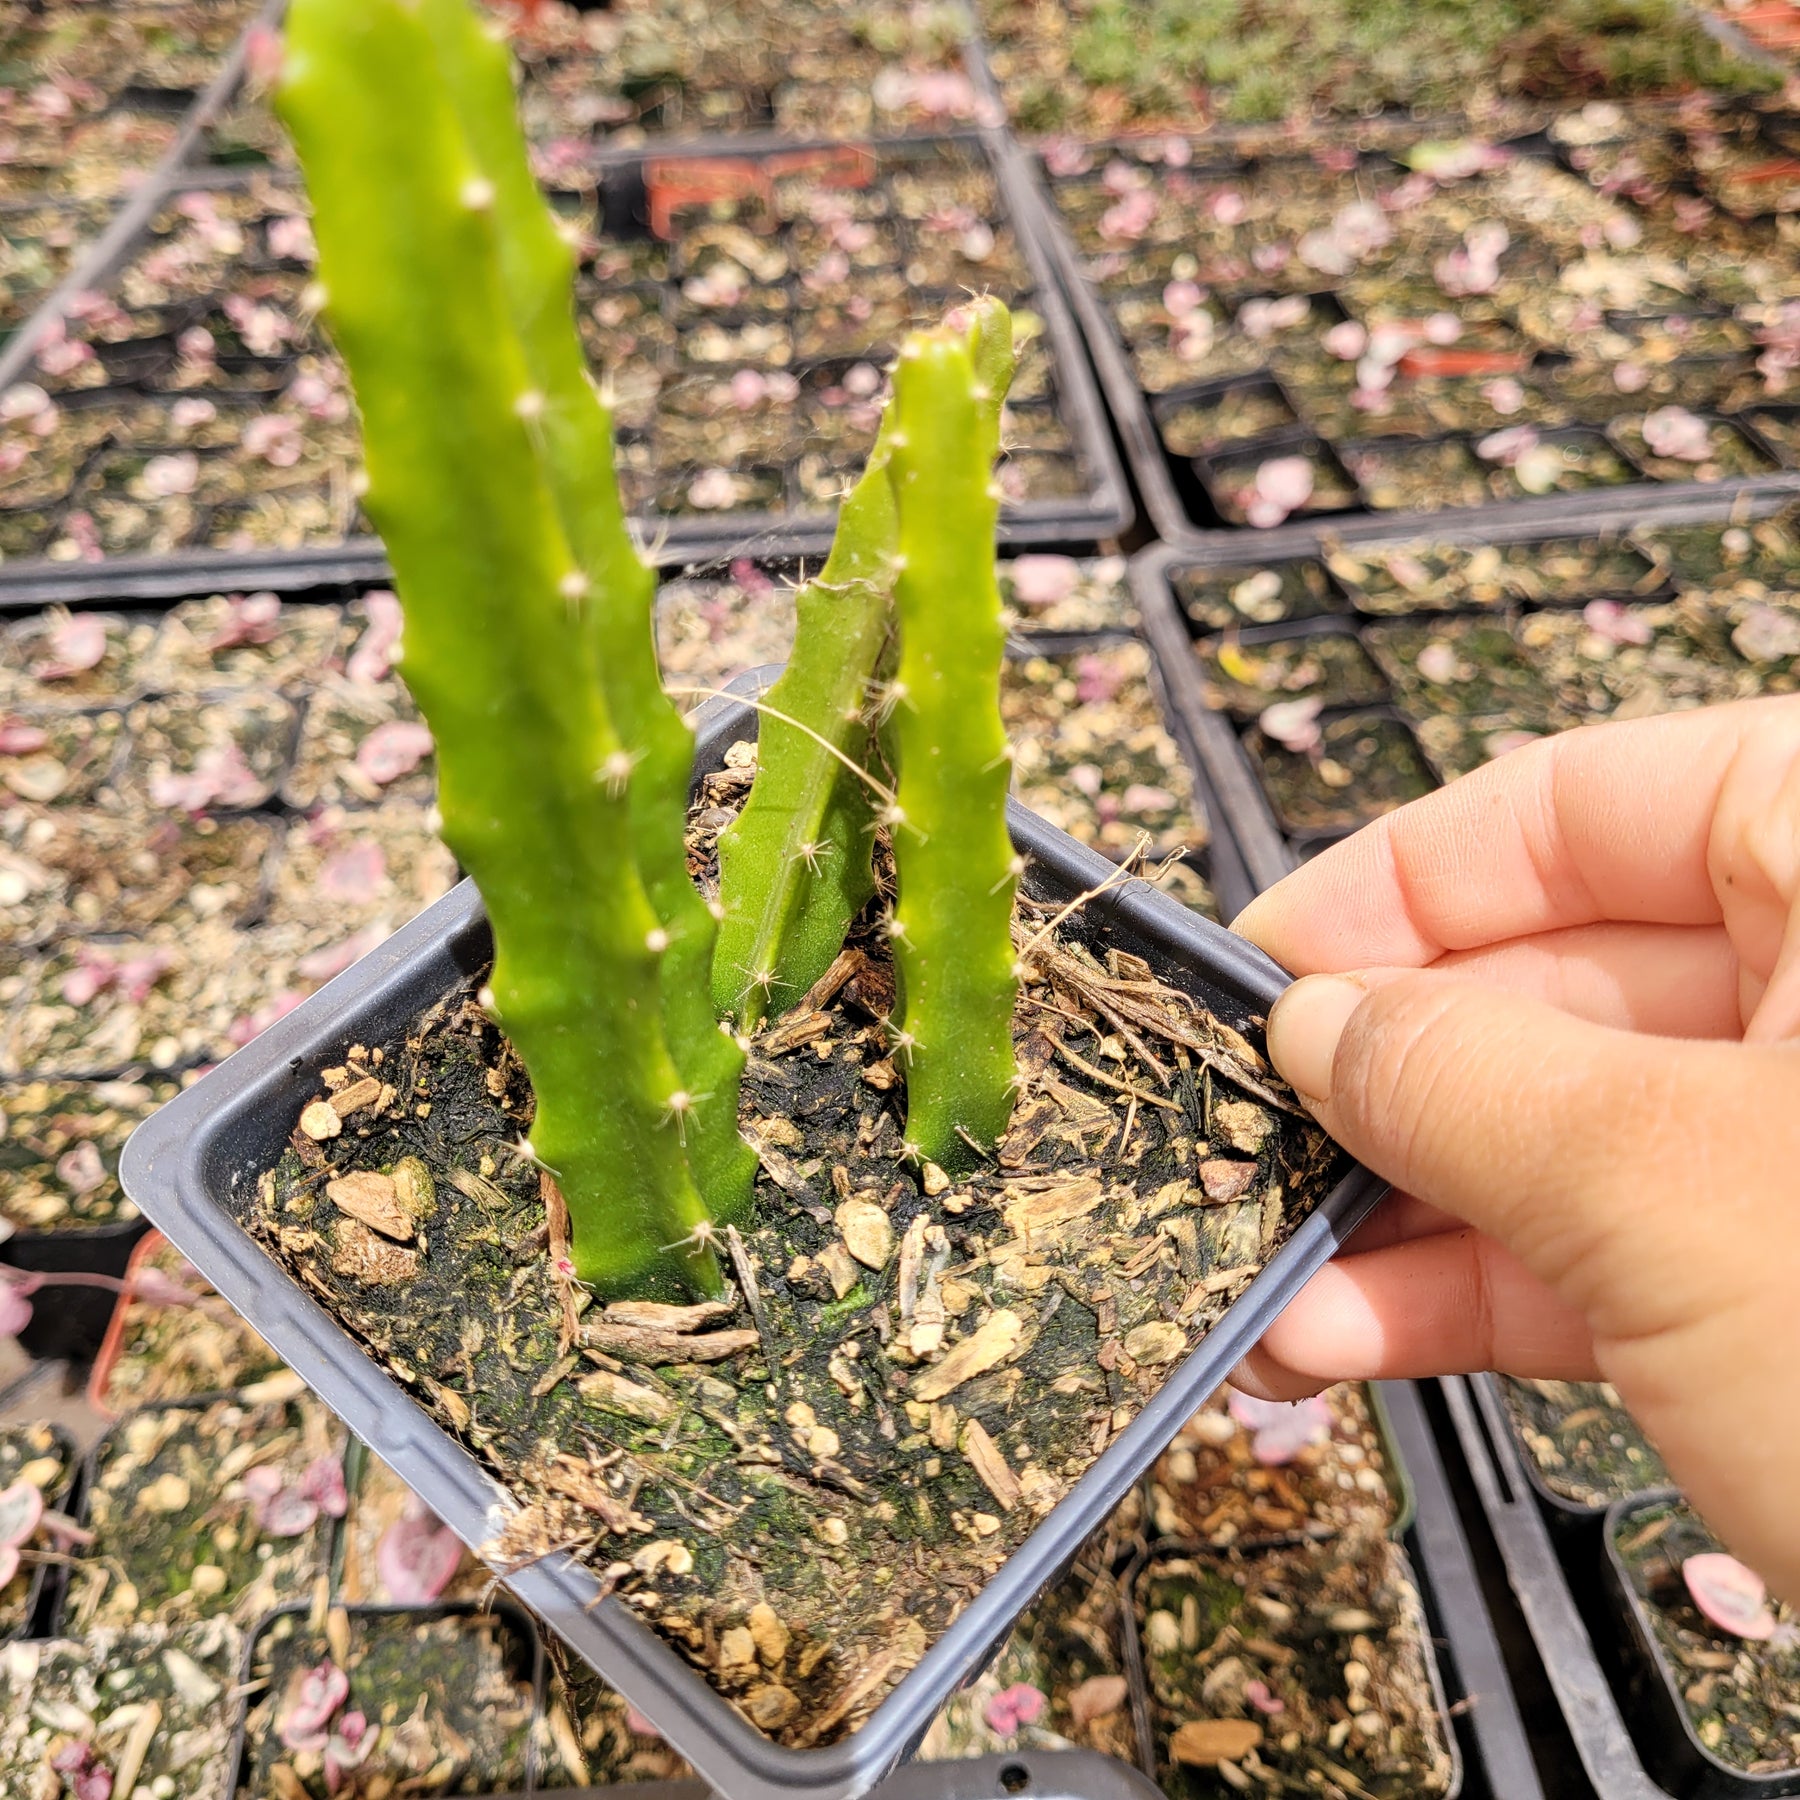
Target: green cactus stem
x,y
562,768
795,868
957,871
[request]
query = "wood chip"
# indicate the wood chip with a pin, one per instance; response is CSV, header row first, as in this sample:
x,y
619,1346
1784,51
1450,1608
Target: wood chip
x,y
796,1029
364,1255
1155,1343
320,1121
354,1098
576,1481
1203,1741
630,1399
658,1316
867,1233
984,1348
374,1200
1032,1216
986,1460
638,1343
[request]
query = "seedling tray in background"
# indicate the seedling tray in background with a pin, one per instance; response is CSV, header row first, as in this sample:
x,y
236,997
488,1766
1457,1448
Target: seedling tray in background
x,y
1231,299
741,298
1574,621
1558,1589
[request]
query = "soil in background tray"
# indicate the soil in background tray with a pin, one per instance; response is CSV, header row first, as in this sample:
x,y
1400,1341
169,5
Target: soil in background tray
x,y
59,1150
934,1362
1585,1445
171,1352
1300,1668
154,1701
1742,1697
1244,1473
201,1510
423,1705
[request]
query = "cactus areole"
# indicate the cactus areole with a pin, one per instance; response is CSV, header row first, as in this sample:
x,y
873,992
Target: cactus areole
x,y
563,766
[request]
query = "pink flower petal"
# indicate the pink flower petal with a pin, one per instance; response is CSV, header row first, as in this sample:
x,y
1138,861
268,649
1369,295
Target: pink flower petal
x,y
287,1513
323,1484
77,644
303,1721
1293,724
1012,1707
1044,580
393,749
21,1507
417,1558
1616,623
80,1169
1731,1595
355,875
377,649
1281,1429
15,1309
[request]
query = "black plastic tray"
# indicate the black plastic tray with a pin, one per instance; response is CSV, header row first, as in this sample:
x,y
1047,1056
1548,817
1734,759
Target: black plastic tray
x,y
182,1164
1103,509
1560,1638
1151,466
106,254
1673,1749
1269,849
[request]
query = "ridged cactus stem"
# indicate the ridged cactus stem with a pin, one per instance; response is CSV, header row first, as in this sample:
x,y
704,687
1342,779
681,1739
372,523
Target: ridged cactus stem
x,y
795,868
527,617
957,871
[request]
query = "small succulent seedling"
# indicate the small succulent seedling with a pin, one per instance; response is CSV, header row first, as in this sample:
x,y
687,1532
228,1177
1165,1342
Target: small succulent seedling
x,y
562,766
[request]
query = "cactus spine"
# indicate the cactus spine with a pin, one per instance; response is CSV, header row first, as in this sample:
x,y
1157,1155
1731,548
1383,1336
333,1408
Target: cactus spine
x,y
951,927
562,766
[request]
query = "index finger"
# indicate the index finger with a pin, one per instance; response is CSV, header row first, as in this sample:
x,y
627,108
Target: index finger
x,y
1608,822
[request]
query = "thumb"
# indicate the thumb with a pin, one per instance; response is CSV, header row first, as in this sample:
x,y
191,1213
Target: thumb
x,y
1629,1173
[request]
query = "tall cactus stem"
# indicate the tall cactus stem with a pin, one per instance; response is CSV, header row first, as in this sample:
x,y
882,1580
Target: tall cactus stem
x,y
951,927
527,642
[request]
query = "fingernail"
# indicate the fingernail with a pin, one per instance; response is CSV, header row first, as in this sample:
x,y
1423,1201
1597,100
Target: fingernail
x,y
1305,1026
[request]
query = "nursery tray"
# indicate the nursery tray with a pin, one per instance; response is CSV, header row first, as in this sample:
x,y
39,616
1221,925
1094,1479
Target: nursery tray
x,y
131,480
183,1165
95,265
1653,1687
1186,487
1562,1640
1271,844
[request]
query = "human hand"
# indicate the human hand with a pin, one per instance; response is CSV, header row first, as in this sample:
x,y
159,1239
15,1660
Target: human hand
x,y
1557,1004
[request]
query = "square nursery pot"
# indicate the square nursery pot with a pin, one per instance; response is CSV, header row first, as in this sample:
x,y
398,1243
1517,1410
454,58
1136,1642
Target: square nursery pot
x,y
1673,1750
71,1321
187,1165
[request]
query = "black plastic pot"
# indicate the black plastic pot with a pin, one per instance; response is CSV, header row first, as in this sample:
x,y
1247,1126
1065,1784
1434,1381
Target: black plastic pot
x,y
69,1321
184,1164
44,1589
88,1473
529,1657
1561,1648
1480,1710
1672,1748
